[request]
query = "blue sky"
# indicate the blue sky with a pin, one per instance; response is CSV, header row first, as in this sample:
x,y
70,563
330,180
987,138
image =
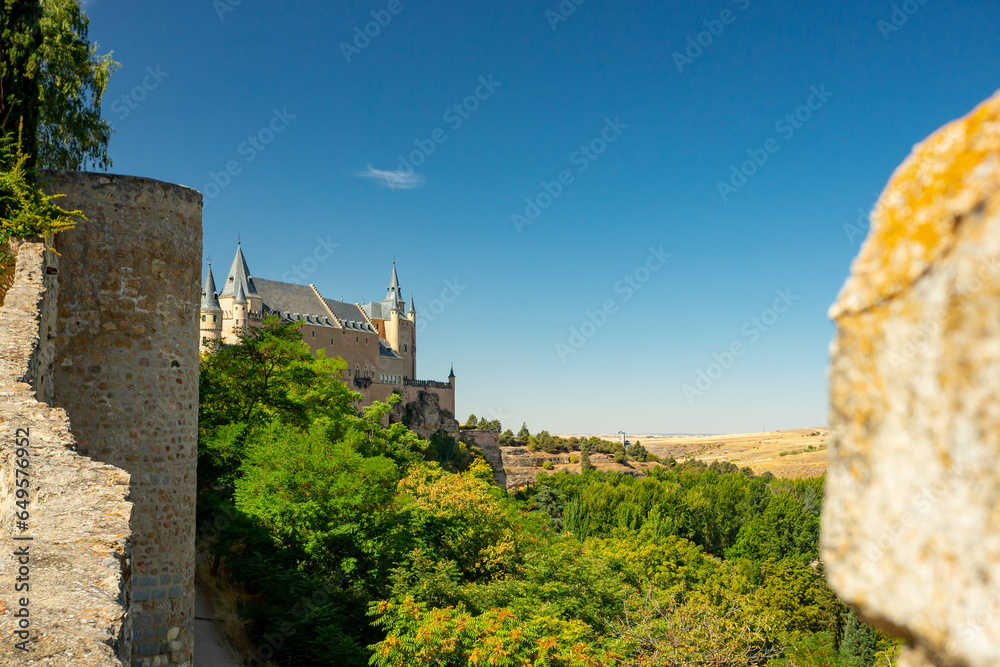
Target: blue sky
x,y
589,143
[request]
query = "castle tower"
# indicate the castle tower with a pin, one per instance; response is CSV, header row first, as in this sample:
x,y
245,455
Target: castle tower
x,y
394,296
394,292
211,311
412,315
451,377
251,310
241,308
126,373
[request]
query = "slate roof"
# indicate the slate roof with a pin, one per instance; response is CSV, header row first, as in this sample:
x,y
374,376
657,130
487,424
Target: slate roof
x,y
349,312
378,310
239,275
297,303
209,295
241,296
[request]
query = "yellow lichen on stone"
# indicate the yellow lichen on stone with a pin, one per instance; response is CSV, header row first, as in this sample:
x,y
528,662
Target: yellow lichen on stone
x,y
945,178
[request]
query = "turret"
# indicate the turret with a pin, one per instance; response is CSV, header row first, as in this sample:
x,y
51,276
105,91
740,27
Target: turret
x,y
250,312
451,376
394,293
240,307
412,316
394,297
211,311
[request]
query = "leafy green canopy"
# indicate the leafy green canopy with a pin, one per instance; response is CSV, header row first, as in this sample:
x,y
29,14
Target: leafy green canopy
x,y
20,67
53,82
357,545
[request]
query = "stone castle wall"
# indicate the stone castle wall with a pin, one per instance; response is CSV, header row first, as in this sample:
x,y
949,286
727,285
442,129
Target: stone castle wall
x,y
126,371
73,562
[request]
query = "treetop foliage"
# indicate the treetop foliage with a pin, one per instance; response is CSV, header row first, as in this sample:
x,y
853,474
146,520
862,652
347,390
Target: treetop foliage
x,y
417,558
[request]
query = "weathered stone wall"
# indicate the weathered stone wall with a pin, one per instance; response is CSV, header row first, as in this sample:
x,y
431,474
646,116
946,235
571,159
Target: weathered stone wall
x,y
911,520
126,350
74,560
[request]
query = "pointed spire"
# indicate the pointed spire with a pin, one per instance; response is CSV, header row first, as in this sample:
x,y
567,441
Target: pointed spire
x,y
239,275
452,374
394,292
413,311
209,295
241,296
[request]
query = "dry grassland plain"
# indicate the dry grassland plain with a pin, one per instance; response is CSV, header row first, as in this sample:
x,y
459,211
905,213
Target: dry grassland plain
x,y
794,454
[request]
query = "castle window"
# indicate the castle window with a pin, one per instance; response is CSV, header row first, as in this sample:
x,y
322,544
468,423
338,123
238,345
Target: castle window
x,y
213,318
202,318
357,339
331,341
313,334
366,340
404,347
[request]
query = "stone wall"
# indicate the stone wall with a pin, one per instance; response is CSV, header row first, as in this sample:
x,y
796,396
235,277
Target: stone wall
x,y
126,370
409,393
911,521
74,556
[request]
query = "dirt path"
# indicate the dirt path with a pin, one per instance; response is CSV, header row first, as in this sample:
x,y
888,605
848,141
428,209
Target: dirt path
x,y
210,648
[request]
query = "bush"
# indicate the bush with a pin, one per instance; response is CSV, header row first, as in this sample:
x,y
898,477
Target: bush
x,y
25,210
547,465
573,459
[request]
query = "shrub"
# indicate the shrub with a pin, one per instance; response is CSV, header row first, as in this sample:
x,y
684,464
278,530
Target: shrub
x,y
25,210
547,465
573,459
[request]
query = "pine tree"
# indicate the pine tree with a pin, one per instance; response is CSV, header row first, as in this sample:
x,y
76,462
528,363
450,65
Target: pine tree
x,y
523,434
585,463
859,642
472,421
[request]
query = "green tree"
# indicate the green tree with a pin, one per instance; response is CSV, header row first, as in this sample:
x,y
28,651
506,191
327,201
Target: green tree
x,y
73,80
472,421
795,596
507,438
490,425
54,81
859,644
270,372
545,442
322,499
784,530
462,519
449,452
523,435
20,70
585,463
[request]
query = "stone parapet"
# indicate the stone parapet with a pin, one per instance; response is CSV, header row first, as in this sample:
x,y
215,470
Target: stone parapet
x,y
76,564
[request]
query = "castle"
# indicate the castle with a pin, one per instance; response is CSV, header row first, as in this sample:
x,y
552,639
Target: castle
x,y
381,358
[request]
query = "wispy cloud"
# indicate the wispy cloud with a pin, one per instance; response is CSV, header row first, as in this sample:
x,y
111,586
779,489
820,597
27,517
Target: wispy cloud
x,y
394,180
